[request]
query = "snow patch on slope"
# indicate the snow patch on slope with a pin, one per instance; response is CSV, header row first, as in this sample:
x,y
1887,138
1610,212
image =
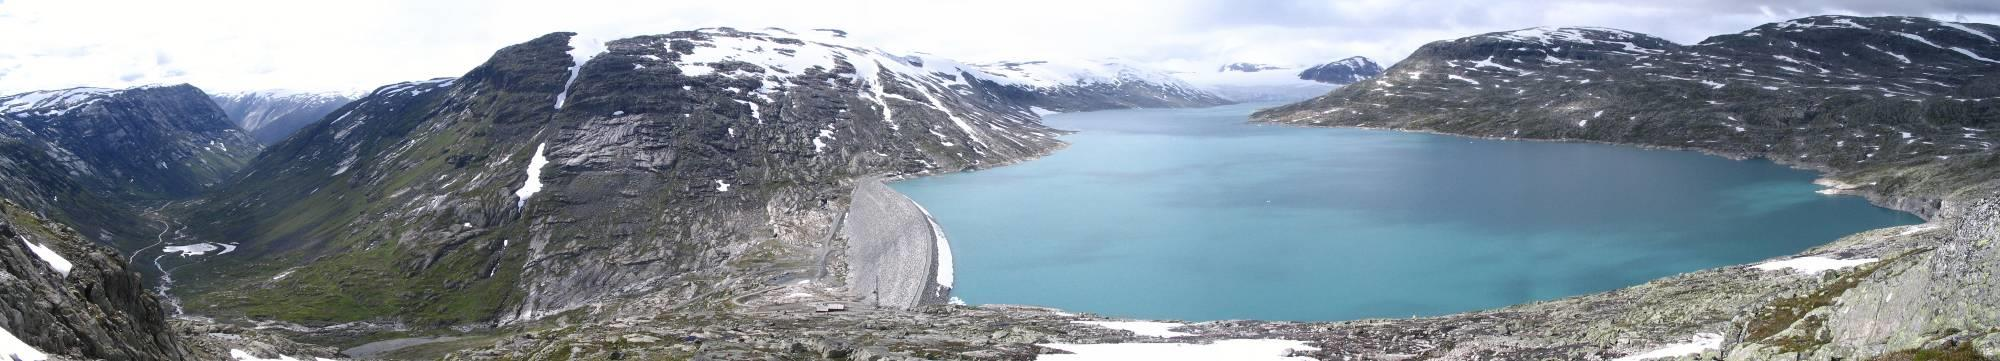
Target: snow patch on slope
x,y
12,348
1812,264
55,260
1701,342
534,183
579,53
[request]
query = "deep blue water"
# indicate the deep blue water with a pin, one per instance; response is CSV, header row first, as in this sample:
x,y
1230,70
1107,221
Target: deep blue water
x,y
1195,214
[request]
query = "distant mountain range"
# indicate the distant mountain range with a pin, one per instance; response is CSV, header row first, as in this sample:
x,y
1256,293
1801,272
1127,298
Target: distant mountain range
x,y
1251,82
272,115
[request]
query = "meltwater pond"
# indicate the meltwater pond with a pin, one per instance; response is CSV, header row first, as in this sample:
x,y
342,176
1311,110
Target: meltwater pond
x,y
1195,214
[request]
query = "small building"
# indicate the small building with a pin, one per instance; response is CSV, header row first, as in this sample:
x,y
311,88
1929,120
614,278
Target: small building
x,y
829,307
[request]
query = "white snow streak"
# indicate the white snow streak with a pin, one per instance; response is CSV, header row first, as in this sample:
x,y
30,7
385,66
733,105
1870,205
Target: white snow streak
x,y
534,183
55,260
579,53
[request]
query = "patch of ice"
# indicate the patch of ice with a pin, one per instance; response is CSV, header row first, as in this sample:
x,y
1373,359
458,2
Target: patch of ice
x,y
1812,264
1234,350
55,260
12,348
1141,328
1701,342
534,183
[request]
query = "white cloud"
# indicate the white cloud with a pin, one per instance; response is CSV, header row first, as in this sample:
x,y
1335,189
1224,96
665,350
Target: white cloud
x,y
356,45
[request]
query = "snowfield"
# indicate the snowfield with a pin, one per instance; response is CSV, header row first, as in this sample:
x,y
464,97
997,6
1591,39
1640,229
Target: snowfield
x,y
1232,350
1701,342
1141,328
1812,264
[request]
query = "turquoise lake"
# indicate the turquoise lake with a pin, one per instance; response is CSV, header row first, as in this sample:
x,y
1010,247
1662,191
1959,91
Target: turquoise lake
x,y
1195,214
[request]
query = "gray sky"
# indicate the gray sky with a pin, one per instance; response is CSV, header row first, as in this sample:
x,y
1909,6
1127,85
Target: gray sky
x,y
351,45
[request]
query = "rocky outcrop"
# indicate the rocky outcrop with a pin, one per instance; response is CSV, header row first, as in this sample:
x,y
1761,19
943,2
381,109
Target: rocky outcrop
x,y
892,254
270,116
1342,72
68,297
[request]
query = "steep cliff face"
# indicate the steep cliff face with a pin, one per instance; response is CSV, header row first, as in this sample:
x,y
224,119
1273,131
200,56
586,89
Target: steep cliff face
x,y
270,116
66,296
565,173
88,155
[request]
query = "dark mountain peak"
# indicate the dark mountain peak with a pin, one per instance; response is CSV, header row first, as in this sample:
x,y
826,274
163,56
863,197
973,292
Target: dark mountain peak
x,y
1247,67
1351,70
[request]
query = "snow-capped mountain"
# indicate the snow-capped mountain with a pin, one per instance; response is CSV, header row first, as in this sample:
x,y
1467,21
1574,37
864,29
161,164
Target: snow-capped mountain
x,y
1342,72
1070,86
272,115
565,172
